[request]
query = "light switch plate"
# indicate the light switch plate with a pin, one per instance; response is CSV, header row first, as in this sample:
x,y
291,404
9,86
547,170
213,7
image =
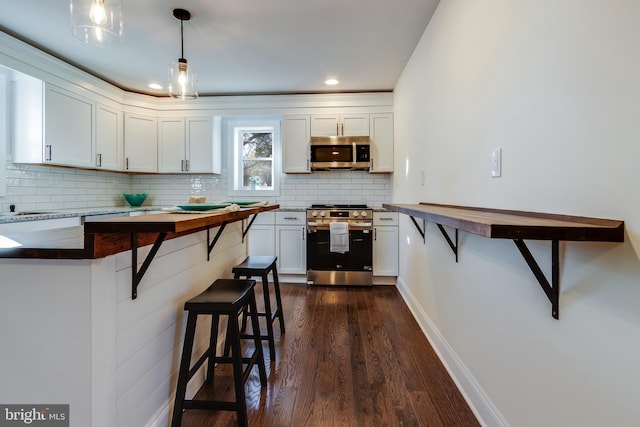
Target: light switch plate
x,y
496,162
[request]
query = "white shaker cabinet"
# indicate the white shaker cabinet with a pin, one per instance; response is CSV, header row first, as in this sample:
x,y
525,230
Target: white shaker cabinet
x,y
140,143
381,133
295,144
356,124
52,125
109,142
385,243
189,144
261,236
291,243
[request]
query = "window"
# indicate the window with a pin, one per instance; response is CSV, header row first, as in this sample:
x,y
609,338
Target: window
x,y
255,156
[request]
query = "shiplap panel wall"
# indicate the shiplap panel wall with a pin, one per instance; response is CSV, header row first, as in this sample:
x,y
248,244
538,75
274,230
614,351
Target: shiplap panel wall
x,y
150,329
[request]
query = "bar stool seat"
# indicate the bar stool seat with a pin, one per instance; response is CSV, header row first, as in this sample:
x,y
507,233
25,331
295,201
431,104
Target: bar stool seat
x,y
225,297
254,266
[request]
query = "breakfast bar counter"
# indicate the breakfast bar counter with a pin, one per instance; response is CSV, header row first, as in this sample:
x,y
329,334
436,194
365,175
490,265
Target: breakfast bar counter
x,y
97,239
70,294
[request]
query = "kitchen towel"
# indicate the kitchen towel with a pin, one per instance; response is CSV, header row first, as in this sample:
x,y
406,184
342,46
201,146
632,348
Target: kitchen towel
x,y
338,237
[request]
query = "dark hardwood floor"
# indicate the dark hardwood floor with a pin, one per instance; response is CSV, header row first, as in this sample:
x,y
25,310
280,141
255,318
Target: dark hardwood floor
x,y
351,356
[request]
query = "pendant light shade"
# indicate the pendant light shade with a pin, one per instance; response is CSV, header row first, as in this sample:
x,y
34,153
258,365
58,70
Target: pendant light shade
x,y
97,22
182,78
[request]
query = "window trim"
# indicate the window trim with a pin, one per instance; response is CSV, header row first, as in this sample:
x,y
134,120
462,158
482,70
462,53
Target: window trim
x,y
235,159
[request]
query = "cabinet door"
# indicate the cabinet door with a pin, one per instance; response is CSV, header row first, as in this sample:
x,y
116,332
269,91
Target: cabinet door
x,y
381,132
68,128
325,125
262,240
295,144
108,138
354,124
385,251
171,145
200,153
140,143
291,249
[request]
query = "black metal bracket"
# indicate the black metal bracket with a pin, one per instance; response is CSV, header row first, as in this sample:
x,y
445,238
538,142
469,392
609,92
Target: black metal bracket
x,y
453,246
246,230
136,275
215,239
551,289
423,230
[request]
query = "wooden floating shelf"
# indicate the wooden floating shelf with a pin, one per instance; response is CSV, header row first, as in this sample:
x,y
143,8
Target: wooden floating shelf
x,y
518,226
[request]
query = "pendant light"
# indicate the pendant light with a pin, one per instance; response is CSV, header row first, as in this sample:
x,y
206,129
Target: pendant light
x,y
182,78
97,22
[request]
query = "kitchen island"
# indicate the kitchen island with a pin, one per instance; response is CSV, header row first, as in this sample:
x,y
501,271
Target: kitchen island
x,y
72,332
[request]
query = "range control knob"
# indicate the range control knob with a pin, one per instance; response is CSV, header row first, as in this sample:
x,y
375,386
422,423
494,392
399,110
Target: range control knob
x,y
322,213
355,214
363,214
314,214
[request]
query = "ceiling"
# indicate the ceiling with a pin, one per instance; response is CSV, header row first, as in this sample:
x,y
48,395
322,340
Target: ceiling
x,y
240,46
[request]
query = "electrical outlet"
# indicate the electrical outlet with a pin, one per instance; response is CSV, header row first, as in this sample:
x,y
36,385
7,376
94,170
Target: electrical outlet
x,y
496,163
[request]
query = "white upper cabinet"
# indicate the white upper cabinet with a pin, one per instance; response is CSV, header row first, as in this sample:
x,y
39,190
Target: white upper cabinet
x,y
189,145
52,125
68,128
381,133
295,144
171,145
356,124
109,143
204,145
140,143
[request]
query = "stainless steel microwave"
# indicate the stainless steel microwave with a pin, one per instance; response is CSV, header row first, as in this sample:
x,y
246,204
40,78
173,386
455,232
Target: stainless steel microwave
x,y
340,152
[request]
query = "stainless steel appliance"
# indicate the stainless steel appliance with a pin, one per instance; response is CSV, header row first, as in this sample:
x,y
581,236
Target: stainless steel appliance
x,y
328,263
340,152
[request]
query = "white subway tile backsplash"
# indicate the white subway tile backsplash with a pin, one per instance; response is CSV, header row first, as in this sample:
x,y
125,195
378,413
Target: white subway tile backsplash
x,y
32,187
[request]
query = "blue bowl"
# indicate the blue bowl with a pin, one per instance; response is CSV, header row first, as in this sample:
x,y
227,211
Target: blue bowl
x,y
135,199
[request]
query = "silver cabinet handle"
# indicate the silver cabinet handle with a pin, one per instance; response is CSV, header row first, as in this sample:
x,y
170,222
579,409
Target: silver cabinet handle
x,y
291,217
355,152
303,233
337,129
99,159
375,234
126,163
47,155
385,219
182,165
342,129
188,163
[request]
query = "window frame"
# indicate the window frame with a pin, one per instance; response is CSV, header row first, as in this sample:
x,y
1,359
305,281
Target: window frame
x,y
252,124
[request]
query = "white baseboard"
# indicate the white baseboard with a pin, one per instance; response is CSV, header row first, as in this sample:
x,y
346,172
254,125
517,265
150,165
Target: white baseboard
x,y
480,404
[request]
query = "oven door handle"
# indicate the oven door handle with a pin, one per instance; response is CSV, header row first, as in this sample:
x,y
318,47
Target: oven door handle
x,y
353,157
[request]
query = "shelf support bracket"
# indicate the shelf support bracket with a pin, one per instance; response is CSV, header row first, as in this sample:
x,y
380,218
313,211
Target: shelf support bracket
x,y
215,239
246,230
453,246
423,230
136,275
551,289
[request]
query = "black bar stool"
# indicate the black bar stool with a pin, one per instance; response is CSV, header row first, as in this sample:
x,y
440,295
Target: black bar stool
x,y
225,297
261,266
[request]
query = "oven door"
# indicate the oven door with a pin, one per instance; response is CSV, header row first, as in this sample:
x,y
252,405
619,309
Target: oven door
x,y
359,257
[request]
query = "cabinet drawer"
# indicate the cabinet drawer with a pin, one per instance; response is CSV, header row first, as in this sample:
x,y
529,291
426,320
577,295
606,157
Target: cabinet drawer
x,y
385,218
265,218
291,218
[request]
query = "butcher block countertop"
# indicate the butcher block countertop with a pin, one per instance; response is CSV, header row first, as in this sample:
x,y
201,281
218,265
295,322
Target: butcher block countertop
x,y
106,237
511,224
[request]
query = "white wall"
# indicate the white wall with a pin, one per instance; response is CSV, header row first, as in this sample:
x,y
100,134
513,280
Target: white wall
x,y
555,85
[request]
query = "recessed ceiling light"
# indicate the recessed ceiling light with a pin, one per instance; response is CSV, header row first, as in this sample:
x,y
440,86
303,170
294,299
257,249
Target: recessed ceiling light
x,y
331,82
155,86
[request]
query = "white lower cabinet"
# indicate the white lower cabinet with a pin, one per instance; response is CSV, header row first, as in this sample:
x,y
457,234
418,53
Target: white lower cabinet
x,y
282,234
261,236
385,243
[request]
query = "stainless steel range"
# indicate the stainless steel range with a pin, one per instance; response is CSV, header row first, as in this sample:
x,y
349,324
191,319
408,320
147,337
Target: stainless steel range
x,y
339,245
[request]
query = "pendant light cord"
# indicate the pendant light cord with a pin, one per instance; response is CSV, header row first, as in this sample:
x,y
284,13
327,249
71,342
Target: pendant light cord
x,y
182,38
